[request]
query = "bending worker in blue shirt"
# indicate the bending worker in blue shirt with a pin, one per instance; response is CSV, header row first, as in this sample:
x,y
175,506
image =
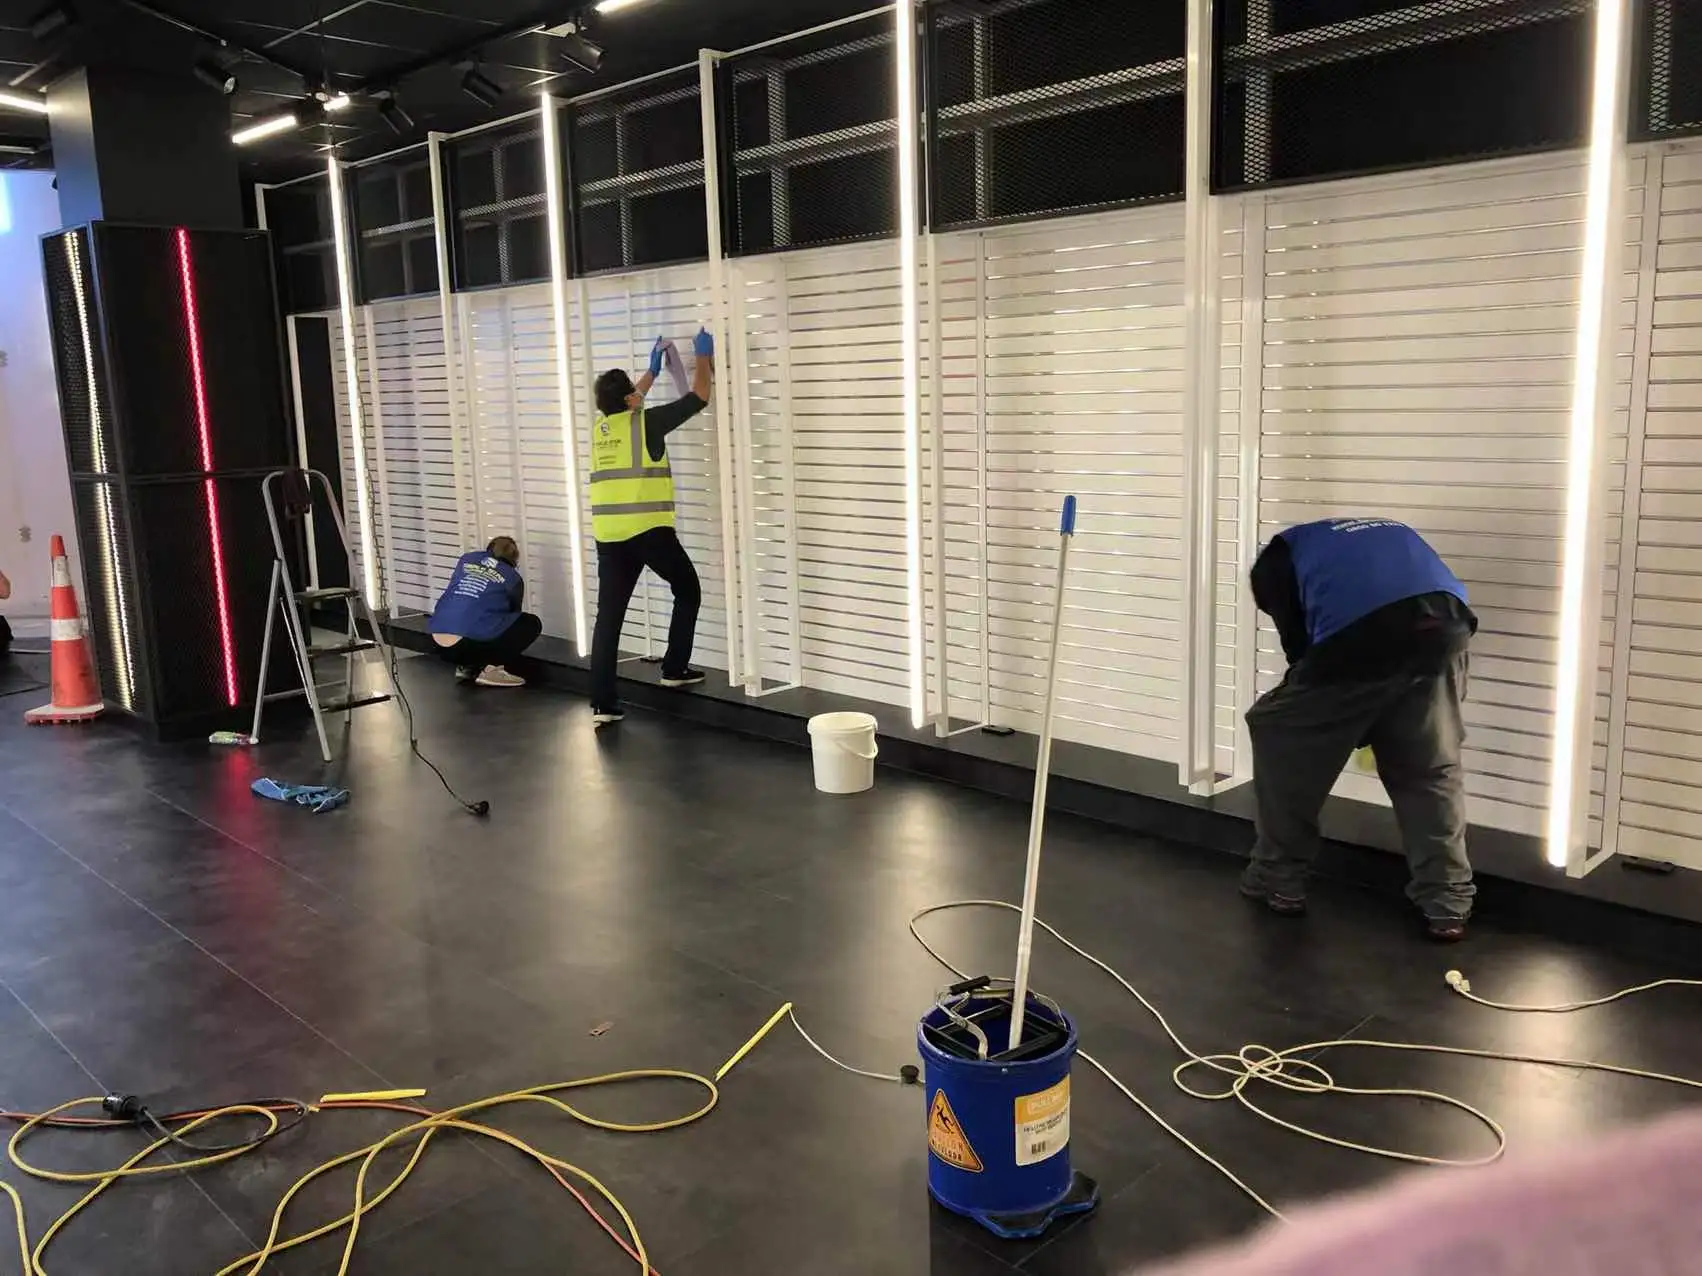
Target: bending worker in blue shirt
x,y
632,518
478,623
1375,627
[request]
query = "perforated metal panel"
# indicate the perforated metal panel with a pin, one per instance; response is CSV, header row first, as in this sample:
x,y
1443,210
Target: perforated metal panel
x,y
1418,341
496,184
298,216
1668,91
395,244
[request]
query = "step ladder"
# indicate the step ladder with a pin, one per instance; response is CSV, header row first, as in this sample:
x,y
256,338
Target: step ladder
x,y
294,490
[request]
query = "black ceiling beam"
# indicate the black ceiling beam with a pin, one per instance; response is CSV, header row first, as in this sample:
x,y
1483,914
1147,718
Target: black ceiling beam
x,y
306,75
547,15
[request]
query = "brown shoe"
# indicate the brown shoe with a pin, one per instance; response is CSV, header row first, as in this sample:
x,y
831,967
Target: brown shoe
x,y
1445,930
1280,904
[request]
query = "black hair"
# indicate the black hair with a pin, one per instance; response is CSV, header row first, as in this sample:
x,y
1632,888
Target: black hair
x,y
612,390
504,547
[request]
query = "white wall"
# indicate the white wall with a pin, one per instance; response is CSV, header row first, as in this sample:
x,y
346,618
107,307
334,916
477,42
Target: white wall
x,y
35,490
1397,345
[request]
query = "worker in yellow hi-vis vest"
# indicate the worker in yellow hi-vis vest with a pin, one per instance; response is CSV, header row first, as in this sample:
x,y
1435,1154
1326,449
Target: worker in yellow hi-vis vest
x,y
632,518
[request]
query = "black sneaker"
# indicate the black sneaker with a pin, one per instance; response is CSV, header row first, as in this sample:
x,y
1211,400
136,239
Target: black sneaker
x,y
1445,930
466,673
1282,905
687,677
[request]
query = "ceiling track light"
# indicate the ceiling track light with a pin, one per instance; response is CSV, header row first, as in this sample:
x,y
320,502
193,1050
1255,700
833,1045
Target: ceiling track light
x,y
52,20
615,6
580,53
394,114
307,111
480,87
23,101
211,72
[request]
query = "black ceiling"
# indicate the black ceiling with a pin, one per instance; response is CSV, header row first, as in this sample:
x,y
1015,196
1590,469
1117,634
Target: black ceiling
x,y
351,44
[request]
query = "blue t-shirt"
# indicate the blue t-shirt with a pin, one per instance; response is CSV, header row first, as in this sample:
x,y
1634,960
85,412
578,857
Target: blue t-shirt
x,y
1348,568
482,600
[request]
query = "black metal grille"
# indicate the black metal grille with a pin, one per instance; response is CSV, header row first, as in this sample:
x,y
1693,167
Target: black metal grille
x,y
636,161
810,155
299,218
496,188
83,396
110,596
1054,106
395,245
1334,87
1669,101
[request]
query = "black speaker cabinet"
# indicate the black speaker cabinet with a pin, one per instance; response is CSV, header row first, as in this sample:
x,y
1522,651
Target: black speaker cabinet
x,y
171,388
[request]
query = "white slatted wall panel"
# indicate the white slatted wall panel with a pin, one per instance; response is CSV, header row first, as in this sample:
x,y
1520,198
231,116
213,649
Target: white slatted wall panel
x,y
848,452
411,406
628,313
1660,813
1418,339
759,288
1084,395
345,447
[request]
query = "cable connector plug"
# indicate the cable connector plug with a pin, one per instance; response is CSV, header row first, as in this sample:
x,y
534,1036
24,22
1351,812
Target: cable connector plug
x,y
910,1074
123,1107
1457,981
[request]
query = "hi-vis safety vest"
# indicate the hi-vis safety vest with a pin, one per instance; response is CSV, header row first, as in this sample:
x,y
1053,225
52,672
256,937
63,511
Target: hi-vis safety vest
x,y
630,493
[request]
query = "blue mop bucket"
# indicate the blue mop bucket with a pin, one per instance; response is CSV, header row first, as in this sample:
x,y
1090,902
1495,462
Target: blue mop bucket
x,y
998,1132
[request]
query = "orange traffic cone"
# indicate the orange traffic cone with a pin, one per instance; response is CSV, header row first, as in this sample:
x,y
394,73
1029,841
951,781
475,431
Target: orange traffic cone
x,y
76,697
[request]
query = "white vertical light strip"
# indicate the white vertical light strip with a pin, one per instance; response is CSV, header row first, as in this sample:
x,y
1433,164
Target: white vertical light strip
x,y
351,374
1592,409
718,326
564,364
465,521
1202,355
910,370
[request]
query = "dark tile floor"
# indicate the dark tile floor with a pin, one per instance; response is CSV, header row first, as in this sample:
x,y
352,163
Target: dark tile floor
x,y
167,934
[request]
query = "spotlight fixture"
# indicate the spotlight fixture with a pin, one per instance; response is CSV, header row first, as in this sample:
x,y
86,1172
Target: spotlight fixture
x,y
480,87
580,53
52,20
394,114
23,102
211,73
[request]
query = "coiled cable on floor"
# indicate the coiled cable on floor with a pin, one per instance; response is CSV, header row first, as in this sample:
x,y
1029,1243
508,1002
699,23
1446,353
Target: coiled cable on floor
x,y
1294,1069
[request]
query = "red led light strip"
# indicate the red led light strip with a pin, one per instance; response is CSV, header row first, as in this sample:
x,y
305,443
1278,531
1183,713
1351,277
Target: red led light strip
x,y
192,321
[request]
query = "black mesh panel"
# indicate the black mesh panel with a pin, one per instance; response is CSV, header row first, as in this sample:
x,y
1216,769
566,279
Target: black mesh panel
x,y
497,191
299,218
1329,88
1669,78
813,145
636,162
396,249
84,400
1030,118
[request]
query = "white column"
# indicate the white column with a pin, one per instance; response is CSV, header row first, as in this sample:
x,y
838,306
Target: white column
x,y
910,368
1576,670
351,375
1201,272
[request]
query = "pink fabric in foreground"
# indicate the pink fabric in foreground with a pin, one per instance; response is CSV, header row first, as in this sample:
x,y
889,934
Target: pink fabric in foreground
x,y
1628,1205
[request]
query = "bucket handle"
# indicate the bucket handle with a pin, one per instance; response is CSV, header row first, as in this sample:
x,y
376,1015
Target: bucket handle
x,y
873,753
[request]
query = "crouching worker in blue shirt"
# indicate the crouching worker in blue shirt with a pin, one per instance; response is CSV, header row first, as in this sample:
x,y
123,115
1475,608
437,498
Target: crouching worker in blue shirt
x,y
478,623
1375,627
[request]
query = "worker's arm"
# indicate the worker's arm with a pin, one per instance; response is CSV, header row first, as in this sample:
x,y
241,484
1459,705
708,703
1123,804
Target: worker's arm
x,y
647,378
1276,592
660,422
5,586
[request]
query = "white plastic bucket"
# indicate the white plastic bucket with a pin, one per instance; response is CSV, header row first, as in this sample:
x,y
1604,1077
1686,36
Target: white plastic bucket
x,y
844,749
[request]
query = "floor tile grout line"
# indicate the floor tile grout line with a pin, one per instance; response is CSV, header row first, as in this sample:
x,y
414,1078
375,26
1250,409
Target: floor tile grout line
x,y
105,1089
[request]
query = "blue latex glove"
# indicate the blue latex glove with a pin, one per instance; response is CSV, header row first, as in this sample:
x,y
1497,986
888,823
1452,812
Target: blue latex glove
x,y
657,353
316,797
703,344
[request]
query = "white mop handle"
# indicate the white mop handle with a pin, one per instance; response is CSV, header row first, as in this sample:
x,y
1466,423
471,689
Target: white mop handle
x,y
1042,770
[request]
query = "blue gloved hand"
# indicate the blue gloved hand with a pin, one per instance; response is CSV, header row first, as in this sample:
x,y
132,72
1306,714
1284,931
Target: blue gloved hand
x,y
703,344
658,352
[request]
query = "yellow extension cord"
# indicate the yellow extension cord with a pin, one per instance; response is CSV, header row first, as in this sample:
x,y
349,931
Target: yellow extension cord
x,y
423,1130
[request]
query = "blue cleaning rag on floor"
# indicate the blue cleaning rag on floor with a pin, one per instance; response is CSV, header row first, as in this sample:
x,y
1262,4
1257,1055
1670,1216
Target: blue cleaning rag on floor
x,y
316,797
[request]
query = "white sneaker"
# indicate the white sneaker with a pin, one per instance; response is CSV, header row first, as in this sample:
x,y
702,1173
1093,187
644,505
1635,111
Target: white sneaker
x,y
606,718
497,676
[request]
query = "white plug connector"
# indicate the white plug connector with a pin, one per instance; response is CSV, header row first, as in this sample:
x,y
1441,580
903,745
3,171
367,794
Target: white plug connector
x,y
1457,981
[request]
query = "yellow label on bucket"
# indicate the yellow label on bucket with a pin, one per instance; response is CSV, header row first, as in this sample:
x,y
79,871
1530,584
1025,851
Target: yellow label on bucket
x,y
1043,1124
946,1139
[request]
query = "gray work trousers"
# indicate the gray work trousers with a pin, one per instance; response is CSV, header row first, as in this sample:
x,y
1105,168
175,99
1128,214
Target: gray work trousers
x,y
1304,733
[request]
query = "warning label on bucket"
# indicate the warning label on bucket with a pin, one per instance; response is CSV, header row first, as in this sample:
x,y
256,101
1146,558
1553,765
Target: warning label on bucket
x,y
946,1139
1043,1124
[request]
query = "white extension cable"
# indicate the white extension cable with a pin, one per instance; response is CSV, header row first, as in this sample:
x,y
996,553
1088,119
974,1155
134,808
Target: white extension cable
x,y
1292,1069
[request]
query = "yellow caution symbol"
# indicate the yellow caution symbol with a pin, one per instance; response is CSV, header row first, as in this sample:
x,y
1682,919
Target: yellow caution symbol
x,y
946,1138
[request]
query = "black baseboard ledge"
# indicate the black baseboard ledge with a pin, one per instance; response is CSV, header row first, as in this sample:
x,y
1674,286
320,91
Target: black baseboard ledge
x,y
1614,907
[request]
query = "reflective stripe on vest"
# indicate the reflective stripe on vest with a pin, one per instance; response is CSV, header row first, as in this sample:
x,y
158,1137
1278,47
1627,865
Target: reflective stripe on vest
x,y
630,493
